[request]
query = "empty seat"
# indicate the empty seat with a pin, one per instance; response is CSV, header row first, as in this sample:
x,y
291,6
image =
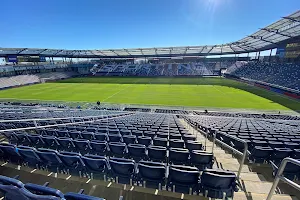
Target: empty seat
x,y
179,156
101,136
115,138
50,142
137,151
129,139
10,153
117,149
175,136
122,170
176,143
202,159
98,147
280,153
43,190
75,134
96,165
29,156
36,140
87,135
145,140
62,133
65,143
160,142
50,159
151,174
183,179
194,145
72,162
260,154
22,139
157,153
82,145
218,184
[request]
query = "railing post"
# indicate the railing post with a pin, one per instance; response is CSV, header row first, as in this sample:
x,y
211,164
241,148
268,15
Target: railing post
x,y
214,142
35,124
277,178
243,159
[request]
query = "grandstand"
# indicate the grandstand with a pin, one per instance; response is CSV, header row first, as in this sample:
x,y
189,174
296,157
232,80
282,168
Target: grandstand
x,y
169,123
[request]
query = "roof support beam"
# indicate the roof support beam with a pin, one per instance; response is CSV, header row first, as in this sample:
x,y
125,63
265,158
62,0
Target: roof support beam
x,y
22,50
292,19
276,31
261,38
142,52
211,49
58,52
42,51
101,52
127,52
114,52
202,49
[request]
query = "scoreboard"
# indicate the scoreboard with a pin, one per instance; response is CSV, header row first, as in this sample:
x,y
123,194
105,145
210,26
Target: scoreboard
x,y
292,50
17,58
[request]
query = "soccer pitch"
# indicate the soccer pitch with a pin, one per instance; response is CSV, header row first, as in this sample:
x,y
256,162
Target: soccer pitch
x,y
192,92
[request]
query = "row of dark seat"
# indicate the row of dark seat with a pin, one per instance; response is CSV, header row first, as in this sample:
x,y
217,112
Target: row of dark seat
x,y
178,178
14,189
193,156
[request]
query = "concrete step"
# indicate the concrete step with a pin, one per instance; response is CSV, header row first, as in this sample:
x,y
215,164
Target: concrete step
x,y
256,196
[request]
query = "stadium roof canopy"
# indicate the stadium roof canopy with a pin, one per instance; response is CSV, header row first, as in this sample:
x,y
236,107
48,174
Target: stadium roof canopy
x,y
266,38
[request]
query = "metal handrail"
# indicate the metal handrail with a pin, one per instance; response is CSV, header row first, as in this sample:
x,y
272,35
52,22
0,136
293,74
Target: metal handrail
x,y
46,119
279,176
243,154
58,125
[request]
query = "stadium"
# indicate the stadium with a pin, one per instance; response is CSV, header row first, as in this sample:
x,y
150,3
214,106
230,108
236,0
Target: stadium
x,y
182,122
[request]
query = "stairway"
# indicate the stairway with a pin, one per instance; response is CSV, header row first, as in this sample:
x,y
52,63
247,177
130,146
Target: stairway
x,y
252,185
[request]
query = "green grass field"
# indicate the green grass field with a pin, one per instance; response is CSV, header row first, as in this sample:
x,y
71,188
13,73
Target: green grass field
x,y
194,92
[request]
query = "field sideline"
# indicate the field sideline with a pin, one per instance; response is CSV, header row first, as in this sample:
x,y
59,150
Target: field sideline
x,y
194,92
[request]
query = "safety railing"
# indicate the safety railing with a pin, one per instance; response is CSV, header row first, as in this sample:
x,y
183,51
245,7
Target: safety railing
x,y
90,120
243,154
279,176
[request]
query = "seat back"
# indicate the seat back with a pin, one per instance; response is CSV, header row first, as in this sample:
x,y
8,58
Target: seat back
x,y
137,151
117,148
178,155
98,147
194,145
157,153
43,190
122,168
129,139
201,159
95,163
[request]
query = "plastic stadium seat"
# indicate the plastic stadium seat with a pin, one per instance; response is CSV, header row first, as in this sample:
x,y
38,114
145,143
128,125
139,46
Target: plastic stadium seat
x,y
151,174
137,151
162,135
275,144
98,147
280,153
62,133
43,190
179,156
183,179
22,139
149,134
50,159
160,142
122,170
72,162
10,153
75,134
194,145
296,154
145,140
82,145
10,181
291,171
95,165
66,143
115,138
260,154
125,132
157,153
176,143
137,133
10,136
218,184
101,136
29,156
50,142
202,159
291,145
129,139
117,148
187,137
87,135
175,136
36,140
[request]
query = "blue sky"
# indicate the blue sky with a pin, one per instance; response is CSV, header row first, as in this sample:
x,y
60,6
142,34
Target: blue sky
x,y
106,24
